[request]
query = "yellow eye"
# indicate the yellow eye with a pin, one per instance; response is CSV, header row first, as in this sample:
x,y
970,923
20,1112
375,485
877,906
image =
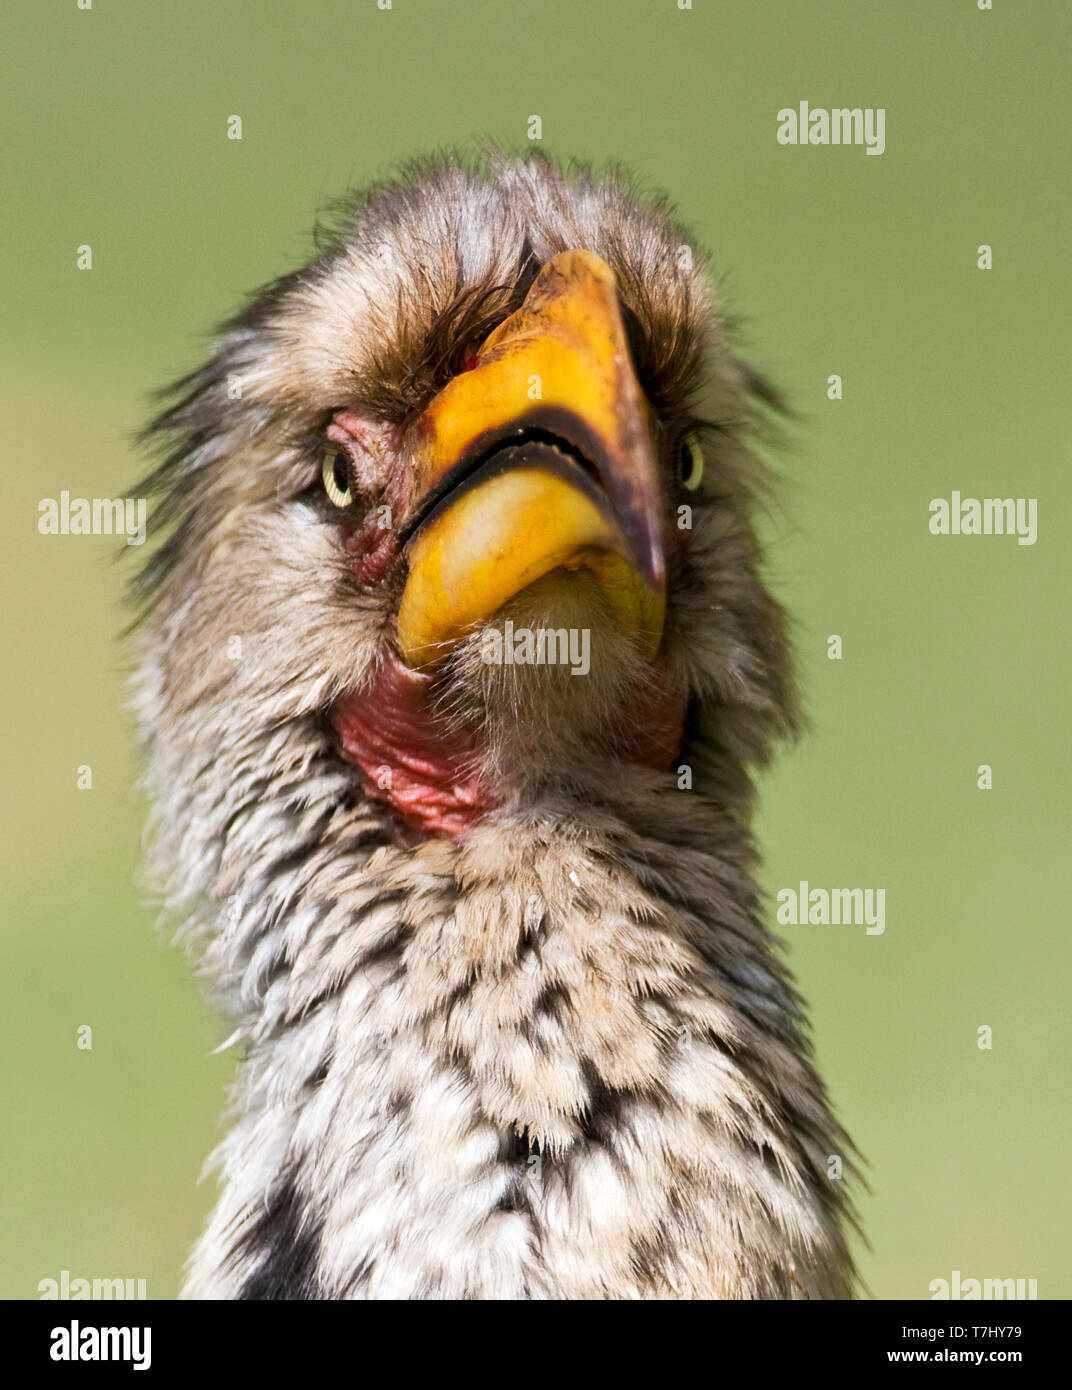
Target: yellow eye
x,y
690,462
336,477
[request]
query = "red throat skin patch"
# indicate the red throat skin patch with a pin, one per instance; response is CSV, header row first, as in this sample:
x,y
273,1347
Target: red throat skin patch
x,y
408,756
428,769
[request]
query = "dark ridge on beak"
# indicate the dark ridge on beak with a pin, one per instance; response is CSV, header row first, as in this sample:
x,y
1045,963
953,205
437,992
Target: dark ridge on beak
x,y
515,442
568,435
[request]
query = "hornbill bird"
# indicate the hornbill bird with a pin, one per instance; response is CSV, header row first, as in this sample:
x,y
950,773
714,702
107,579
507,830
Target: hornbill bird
x,y
454,668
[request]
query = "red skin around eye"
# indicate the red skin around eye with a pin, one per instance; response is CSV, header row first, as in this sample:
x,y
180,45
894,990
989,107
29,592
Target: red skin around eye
x,y
372,448
373,550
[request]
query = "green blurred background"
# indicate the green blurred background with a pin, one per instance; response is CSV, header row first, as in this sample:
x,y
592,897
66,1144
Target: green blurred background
x,y
955,650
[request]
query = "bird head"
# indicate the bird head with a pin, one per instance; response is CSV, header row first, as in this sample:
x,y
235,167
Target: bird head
x,y
469,497
447,880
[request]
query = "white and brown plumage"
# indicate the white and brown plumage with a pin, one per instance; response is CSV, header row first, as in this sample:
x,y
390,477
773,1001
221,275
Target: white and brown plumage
x,y
513,1026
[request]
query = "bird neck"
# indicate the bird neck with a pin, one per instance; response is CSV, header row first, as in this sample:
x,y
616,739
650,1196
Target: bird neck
x,y
552,1056
430,766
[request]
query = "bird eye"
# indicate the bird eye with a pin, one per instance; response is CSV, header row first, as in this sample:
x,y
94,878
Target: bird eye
x,y
690,462
336,477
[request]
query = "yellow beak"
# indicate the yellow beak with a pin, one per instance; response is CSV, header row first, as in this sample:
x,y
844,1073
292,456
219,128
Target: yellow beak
x,y
541,457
